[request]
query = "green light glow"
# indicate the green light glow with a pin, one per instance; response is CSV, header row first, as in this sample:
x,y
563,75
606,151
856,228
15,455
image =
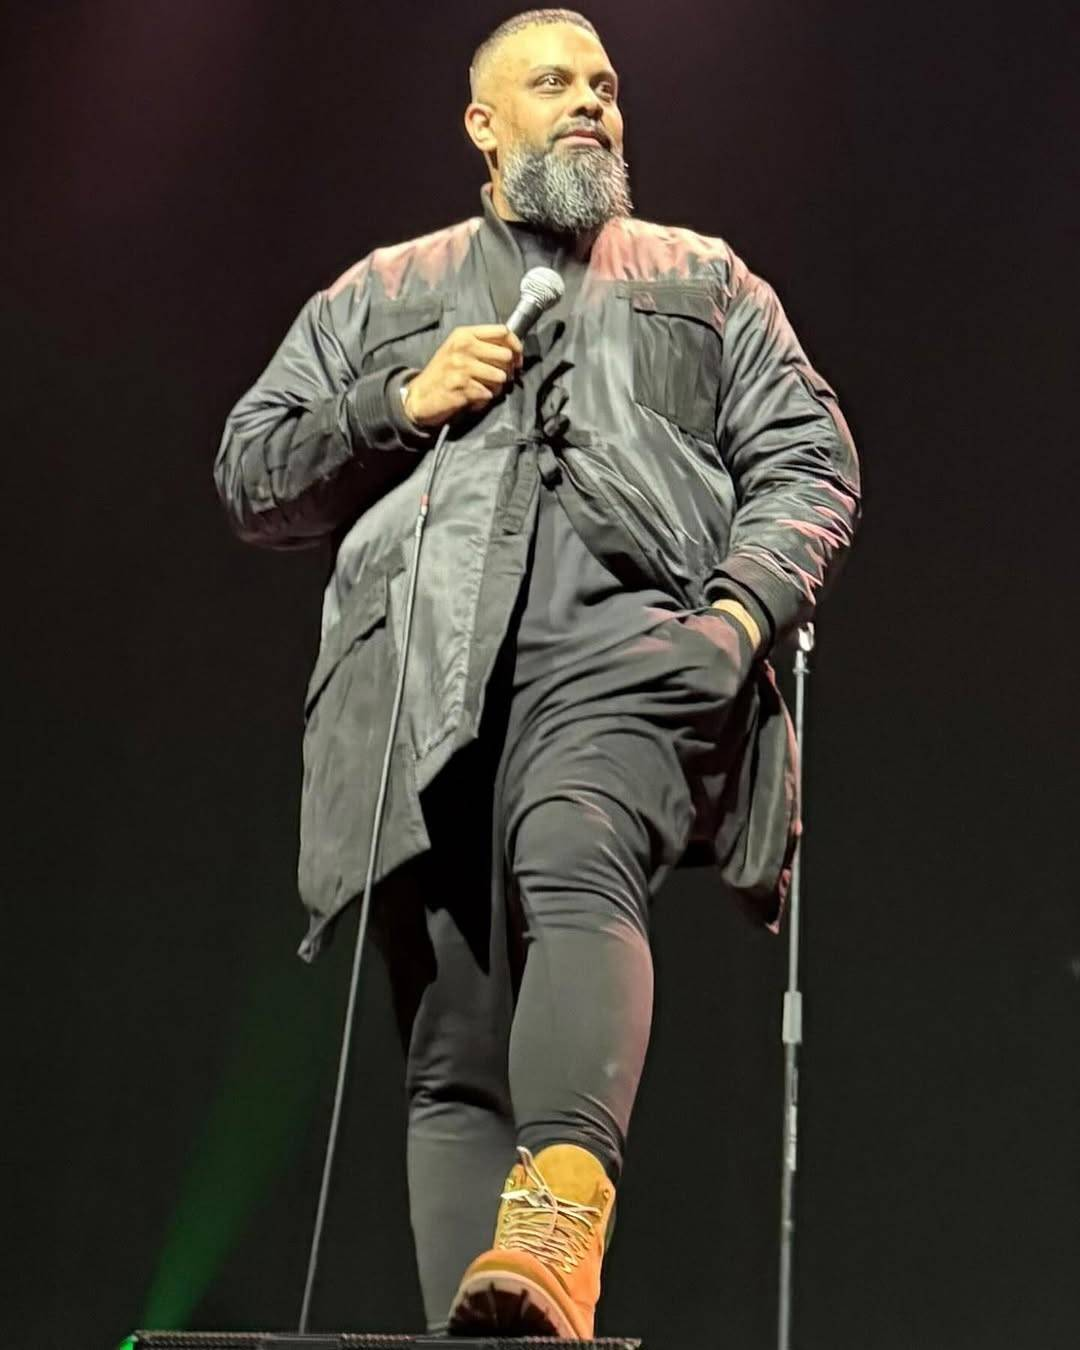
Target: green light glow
x,y
276,1066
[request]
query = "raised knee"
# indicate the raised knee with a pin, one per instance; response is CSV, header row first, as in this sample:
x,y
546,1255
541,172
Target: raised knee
x,y
563,835
575,857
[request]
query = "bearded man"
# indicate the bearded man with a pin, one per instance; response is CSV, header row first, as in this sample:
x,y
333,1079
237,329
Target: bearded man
x,y
640,501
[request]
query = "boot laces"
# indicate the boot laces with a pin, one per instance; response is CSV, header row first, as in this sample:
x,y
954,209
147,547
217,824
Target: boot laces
x,y
558,1231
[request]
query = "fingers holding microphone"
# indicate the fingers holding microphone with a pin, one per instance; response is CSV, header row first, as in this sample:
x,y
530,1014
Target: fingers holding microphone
x,y
476,361
473,365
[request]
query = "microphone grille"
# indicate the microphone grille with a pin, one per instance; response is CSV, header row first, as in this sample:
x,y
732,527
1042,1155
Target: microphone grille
x,y
542,286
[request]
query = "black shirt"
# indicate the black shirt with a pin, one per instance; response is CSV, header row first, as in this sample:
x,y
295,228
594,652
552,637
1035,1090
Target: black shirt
x,y
574,606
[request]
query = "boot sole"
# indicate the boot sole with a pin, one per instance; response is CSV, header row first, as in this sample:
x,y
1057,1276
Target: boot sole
x,y
510,1304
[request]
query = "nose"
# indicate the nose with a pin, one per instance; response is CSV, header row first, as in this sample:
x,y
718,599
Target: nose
x,y
587,102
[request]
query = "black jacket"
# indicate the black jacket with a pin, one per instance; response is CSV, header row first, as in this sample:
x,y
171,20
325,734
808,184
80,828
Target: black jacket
x,y
706,455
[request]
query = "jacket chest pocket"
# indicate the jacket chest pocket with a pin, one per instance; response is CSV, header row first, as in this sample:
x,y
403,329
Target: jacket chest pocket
x,y
402,332
676,335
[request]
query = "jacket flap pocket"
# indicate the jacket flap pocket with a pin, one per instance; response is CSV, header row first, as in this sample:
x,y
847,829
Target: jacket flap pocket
x,y
676,332
678,299
391,320
367,608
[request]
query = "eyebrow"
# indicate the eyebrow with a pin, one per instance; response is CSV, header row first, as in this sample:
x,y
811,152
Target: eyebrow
x,y
603,74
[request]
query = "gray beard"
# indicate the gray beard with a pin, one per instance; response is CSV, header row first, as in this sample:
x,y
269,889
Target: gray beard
x,y
566,191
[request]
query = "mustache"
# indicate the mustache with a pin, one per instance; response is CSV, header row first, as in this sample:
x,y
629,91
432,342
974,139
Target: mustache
x,y
588,129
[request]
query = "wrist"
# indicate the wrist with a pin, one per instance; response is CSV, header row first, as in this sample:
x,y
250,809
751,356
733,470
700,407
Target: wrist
x,y
403,395
743,617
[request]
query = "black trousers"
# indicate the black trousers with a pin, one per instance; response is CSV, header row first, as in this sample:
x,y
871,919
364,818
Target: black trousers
x,y
518,947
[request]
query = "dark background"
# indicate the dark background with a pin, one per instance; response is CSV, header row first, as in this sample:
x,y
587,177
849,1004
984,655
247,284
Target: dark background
x,y
178,179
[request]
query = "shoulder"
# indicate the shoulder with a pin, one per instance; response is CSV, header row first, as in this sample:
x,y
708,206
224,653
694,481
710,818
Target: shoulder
x,y
391,268
631,248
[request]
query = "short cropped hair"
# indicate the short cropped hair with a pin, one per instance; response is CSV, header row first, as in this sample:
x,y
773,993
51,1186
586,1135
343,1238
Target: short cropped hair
x,y
529,19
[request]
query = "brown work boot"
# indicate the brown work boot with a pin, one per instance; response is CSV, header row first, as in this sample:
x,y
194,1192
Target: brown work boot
x,y
541,1276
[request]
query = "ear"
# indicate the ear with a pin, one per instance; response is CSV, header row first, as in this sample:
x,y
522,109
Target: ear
x,y
478,118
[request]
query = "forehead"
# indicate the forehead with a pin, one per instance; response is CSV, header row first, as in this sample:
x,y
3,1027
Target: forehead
x,y
553,44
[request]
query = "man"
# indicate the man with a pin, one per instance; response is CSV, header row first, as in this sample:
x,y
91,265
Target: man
x,y
639,502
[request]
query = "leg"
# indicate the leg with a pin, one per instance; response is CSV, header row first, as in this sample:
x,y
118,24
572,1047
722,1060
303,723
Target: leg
x,y
596,802
599,815
450,981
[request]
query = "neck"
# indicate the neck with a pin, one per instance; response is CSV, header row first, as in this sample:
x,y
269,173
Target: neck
x,y
577,244
500,203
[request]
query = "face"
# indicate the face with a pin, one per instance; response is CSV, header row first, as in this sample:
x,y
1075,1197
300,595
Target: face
x,y
547,118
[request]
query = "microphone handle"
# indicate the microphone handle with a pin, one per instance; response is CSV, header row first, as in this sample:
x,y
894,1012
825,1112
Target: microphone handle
x,y
525,314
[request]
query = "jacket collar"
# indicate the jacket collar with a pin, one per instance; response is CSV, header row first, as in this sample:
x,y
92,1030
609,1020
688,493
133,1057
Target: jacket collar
x,y
502,261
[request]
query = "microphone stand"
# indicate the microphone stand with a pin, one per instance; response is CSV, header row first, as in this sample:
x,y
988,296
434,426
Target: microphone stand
x,y
791,1032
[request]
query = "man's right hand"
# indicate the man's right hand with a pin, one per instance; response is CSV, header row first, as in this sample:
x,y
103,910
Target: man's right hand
x,y
469,369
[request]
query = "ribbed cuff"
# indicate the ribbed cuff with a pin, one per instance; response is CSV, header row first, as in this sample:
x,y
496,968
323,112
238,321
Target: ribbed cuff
x,y
741,578
761,647
377,419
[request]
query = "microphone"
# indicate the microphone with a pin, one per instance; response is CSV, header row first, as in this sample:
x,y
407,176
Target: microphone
x,y
541,288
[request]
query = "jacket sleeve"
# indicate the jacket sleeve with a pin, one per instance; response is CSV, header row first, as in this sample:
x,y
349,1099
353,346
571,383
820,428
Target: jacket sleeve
x,y
791,456
312,444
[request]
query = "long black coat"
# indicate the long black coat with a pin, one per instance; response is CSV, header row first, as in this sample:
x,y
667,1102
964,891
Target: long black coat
x,y
706,456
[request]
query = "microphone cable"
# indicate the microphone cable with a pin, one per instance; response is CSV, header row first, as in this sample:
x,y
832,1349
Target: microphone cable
x,y
365,905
